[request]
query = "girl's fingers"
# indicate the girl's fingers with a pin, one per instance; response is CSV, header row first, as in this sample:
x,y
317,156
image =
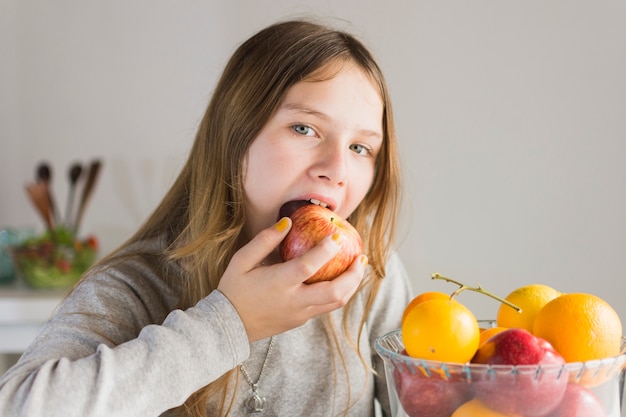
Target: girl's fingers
x,y
303,267
326,296
274,299
253,253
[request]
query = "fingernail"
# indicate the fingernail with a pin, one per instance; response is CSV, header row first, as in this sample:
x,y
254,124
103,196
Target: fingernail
x,y
364,260
282,224
337,238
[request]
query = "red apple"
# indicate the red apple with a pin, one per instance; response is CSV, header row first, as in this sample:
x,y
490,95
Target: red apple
x,y
429,394
311,224
517,347
579,401
534,387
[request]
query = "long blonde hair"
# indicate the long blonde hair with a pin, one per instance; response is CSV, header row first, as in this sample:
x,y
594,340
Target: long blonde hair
x,y
203,213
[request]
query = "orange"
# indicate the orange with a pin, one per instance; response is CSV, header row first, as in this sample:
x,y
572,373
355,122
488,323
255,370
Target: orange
x,y
423,297
487,333
476,408
530,298
441,330
580,327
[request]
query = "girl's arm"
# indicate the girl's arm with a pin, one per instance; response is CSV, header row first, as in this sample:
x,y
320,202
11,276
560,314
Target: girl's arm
x,y
104,353
99,356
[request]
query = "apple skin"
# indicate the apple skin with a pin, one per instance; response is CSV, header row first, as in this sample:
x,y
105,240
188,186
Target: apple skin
x,y
578,401
517,347
524,392
311,224
430,396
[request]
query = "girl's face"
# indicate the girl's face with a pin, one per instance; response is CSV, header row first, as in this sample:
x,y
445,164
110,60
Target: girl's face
x,y
320,144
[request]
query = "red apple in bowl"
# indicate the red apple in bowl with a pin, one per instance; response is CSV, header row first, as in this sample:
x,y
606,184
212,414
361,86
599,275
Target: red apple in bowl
x,y
311,224
534,382
430,393
579,401
517,347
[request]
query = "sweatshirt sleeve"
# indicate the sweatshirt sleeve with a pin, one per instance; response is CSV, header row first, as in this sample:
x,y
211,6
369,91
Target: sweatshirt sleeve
x,y
100,356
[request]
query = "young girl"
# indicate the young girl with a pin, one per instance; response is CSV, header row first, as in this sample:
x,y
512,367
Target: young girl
x,y
196,315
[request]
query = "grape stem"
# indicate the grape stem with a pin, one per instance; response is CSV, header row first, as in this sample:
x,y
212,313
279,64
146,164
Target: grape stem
x,y
479,289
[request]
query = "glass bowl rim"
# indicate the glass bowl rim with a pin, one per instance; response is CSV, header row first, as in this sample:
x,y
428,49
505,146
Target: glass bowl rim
x,y
572,367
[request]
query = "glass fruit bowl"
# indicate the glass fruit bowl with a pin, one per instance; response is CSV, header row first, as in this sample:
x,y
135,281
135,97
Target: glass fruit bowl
x,y
54,260
426,388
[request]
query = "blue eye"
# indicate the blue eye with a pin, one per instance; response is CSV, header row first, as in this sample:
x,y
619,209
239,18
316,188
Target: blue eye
x,y
360,149
304,130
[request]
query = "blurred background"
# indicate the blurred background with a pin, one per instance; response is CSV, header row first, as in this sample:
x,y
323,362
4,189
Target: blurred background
x,y
511,118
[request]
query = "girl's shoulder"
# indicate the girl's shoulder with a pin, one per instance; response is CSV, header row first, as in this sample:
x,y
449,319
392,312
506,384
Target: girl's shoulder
x,y
136,281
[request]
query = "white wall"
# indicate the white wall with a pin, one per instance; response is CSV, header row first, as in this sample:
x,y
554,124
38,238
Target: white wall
x,y
511,117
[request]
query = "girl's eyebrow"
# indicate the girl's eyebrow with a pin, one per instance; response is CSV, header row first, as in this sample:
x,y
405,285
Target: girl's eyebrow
x,y
304,109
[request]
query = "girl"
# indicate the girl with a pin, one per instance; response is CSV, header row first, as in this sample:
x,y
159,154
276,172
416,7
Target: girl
x,y
196,315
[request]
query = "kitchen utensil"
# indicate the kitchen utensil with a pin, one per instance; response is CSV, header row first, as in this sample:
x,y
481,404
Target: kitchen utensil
x,y
44,175
74,174
38,193
92,176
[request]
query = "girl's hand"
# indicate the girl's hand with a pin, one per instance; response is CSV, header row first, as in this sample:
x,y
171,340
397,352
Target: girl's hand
x,y
273,299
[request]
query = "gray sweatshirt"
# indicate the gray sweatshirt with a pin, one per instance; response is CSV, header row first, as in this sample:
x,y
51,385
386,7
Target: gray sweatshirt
x,y
116,346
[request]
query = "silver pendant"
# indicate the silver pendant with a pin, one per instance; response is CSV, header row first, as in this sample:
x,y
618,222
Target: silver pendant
x,y
255,403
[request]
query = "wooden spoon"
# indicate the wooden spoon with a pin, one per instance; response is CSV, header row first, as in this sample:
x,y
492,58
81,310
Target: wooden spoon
x,y
44,175
74,175
92,175
38,193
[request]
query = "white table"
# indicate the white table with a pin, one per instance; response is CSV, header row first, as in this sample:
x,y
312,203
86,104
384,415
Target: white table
x,y
22,312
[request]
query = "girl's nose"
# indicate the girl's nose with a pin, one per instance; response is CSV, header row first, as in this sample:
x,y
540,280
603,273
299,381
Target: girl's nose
x,y
332,165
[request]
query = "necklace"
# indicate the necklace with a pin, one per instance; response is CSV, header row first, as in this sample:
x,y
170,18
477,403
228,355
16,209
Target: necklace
x,y
255,403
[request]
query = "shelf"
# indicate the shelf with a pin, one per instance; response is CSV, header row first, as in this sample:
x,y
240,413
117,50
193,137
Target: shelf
x,y
22,312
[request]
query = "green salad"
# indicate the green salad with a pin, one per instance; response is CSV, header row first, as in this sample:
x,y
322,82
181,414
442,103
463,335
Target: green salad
x,y
55,259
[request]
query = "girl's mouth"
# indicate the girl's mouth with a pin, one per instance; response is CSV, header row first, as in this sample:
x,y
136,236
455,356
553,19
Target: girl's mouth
x,y
290,207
